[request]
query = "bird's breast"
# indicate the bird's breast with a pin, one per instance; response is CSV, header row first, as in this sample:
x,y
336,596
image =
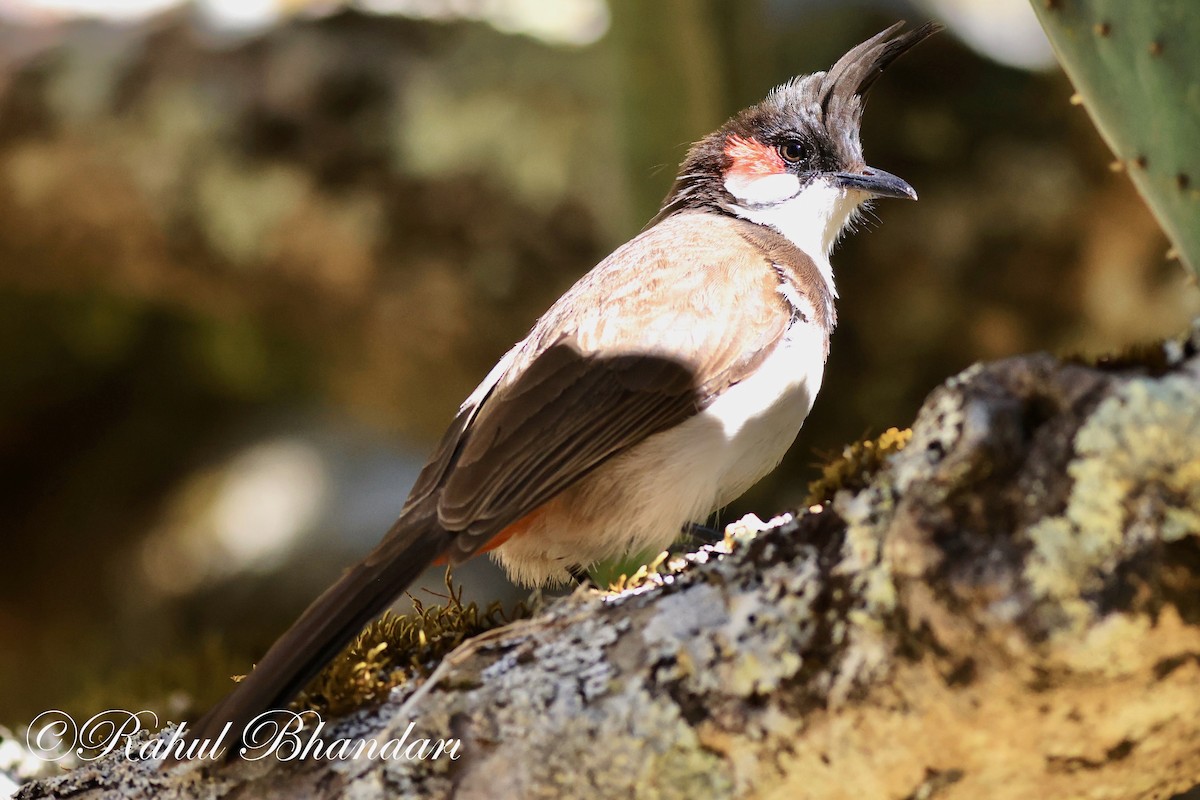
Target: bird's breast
x,y
640,500
761,416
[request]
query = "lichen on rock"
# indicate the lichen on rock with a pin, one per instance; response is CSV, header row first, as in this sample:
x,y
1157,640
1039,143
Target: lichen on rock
x,y
1007,607
1135,481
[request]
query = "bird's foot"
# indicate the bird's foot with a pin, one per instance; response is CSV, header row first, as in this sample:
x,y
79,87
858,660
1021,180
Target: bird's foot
x,y
702,533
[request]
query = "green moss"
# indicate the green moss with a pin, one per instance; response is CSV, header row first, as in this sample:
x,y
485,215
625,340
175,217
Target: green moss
x,y
853,469
395,649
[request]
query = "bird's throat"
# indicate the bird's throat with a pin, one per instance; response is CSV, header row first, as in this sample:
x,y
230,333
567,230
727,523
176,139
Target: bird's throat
x,y
812,219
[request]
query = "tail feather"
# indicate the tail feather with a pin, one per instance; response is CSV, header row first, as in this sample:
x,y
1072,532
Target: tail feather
x,y
326,626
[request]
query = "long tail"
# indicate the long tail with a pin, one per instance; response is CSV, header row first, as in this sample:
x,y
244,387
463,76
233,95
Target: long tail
x,y
414,542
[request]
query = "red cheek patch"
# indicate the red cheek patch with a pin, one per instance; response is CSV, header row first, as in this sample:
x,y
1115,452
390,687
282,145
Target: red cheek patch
x,y
749,157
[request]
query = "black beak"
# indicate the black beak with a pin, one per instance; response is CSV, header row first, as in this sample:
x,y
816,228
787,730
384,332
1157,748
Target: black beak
x,y
876,182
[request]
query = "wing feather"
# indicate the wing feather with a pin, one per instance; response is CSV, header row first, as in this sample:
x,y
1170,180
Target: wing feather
x,y
637,346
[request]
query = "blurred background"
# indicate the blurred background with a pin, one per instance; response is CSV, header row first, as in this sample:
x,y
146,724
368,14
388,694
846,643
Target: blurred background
x,y
253,253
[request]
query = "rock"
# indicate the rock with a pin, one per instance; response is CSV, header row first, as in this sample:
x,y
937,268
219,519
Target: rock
x,y
1009,608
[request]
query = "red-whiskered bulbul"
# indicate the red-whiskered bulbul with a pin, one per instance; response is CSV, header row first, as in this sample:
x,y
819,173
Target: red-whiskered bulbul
x,y
660,387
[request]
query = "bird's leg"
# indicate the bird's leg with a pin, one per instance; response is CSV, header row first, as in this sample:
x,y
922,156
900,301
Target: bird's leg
x,y
539,597
702,533
535,602
581,577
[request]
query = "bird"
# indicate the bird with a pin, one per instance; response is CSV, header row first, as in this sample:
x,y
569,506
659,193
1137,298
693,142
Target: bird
x,y
661,386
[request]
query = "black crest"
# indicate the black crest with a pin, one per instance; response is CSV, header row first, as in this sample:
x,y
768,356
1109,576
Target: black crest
x,y
823,110
835,98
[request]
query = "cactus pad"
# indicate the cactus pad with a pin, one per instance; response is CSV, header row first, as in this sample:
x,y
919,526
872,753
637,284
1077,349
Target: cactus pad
x,y
1136,67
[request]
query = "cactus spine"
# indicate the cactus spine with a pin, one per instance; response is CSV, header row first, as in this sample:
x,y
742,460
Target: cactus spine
x,y
1136,68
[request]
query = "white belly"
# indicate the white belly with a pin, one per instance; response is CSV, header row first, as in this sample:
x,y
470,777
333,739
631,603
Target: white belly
x,y
641,500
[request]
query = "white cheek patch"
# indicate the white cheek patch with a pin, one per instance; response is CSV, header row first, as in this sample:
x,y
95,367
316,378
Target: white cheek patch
x,y
757,190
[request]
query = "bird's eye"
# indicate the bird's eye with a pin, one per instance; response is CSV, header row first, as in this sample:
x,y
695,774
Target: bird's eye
x,y
792,151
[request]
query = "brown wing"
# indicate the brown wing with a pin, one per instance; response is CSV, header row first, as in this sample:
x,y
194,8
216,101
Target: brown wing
x,y
634,348
640,344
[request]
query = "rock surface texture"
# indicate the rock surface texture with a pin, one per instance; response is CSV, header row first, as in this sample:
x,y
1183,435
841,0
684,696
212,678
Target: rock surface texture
x,y
1010,608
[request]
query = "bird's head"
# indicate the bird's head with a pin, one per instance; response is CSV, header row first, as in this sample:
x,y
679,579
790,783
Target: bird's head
x,y
794,161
